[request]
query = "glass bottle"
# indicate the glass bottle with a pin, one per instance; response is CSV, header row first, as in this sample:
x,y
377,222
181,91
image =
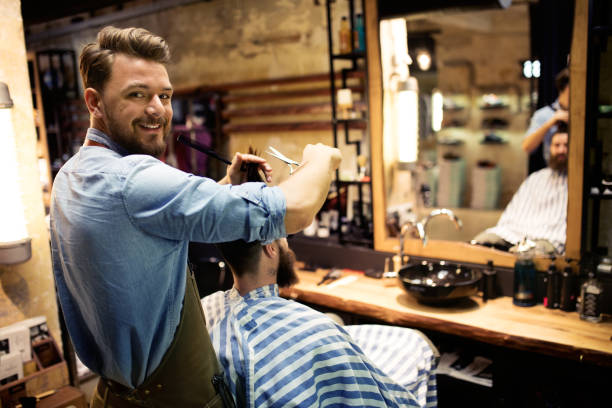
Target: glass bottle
x,y
590,299
359,34
344,35
524,277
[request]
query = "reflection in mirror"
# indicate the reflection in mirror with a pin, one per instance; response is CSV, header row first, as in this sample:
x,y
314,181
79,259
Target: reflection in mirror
x,y
458,94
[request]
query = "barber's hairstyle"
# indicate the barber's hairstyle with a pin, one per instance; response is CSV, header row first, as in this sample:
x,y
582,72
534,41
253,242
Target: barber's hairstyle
x,y
97,58
562,127
562,80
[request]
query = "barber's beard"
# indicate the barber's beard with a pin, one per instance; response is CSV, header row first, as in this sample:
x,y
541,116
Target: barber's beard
x,y
127,137
286,275
558,163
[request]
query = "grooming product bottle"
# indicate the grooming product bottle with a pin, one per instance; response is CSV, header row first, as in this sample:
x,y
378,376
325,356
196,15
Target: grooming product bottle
x,y
359,33
489,282
524,277
344,36
567,301
551,300
591,294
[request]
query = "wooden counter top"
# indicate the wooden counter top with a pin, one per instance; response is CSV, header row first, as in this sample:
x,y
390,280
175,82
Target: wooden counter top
x,y
498,322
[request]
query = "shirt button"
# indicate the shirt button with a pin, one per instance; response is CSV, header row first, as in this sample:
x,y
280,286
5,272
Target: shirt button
x,y
147,392
159,386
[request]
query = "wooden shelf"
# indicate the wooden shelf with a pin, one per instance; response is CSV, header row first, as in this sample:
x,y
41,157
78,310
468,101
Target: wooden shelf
x,y
301,93
298,109
349,56
357,123
310,108
355,182
199,89
285,127
602,30
494,107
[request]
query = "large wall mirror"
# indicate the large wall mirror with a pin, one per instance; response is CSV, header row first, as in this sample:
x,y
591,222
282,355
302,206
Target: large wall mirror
x,y
462,98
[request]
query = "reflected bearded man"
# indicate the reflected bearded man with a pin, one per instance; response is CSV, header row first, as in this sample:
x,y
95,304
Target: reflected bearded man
x,y
538,210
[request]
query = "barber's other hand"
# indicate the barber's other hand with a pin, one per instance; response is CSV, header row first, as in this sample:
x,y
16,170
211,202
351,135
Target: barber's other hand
x,y
235,176
561,114
321,152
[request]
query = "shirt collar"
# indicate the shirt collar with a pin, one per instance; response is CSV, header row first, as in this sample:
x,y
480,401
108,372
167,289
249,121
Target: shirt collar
x,y
556,105
97,135
259,293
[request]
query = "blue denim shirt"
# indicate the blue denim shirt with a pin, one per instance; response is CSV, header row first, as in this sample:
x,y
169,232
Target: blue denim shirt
x,y
539,118
120,229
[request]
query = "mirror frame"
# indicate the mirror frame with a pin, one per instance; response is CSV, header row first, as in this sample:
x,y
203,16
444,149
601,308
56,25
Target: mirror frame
x,y
462,251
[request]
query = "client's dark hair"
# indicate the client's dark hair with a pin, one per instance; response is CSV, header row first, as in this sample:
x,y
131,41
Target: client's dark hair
x,y
240,255
562,80
562,127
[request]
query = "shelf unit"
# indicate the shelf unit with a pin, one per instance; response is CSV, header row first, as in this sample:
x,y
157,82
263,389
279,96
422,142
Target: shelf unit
x,y
42,151
65,116
598,140
359,230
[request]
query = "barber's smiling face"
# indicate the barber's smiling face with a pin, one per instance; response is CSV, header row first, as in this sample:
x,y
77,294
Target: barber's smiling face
x,y
136,105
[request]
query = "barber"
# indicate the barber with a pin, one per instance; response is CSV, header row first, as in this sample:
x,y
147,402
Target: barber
x,y
121,221
542,126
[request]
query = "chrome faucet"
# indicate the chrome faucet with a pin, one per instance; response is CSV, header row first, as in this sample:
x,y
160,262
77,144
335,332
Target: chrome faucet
x,y
419,228
435,213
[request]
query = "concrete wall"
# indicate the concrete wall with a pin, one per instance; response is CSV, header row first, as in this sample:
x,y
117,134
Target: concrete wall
x,y
226,41
233,41
29,285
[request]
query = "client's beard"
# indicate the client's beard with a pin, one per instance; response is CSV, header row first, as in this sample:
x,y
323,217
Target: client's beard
x,y
558,162
286,275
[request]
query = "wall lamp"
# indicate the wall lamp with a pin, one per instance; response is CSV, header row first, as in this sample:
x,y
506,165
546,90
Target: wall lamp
x,y
15,244
408,120
531,69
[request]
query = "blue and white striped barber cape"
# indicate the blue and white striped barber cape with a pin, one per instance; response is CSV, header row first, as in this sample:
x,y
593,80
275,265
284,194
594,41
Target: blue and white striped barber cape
x,y
279,353
538,210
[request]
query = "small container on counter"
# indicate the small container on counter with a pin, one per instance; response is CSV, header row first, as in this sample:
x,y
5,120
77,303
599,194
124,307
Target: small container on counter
x,y
591,294
525,276
551,299
567,300
489,282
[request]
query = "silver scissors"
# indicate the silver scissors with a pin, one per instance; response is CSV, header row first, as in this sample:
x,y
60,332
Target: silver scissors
x,y
273,152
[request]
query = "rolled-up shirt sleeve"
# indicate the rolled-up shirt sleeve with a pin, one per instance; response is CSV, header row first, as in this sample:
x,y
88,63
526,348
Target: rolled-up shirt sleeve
x,y
169,203
539,118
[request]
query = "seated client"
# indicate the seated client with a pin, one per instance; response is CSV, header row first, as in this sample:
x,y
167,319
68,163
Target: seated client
x,y
538,210
279,353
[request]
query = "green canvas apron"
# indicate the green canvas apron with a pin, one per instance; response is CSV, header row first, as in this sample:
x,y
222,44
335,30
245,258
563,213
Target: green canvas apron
x,y
189,374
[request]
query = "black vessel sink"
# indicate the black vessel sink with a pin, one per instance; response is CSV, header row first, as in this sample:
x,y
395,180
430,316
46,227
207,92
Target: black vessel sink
x,y
439,283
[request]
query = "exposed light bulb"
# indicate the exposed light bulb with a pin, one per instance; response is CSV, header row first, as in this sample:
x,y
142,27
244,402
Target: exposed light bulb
x,y
408,121
437,110
424,60
12,216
